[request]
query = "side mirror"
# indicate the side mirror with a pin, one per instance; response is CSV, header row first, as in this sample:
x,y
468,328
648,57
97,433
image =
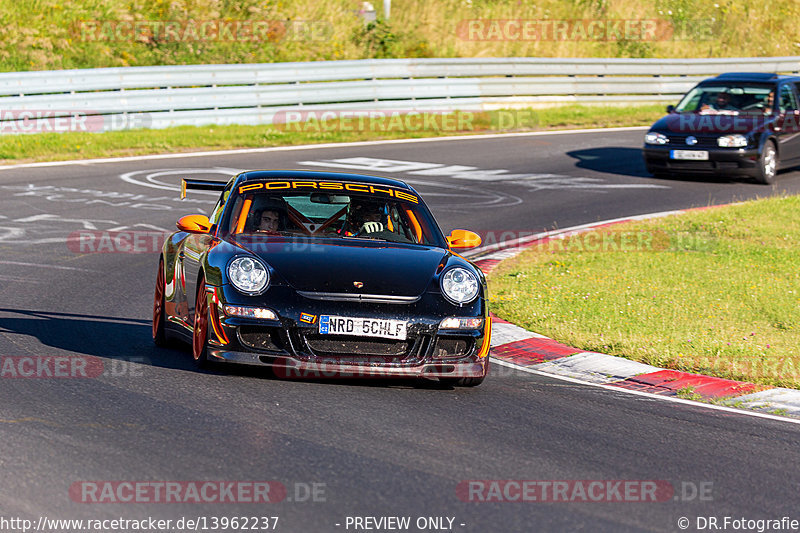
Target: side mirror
x,y
670,108
194,224
461,238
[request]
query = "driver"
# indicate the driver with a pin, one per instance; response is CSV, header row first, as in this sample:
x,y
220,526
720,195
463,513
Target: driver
x,y
365,216
269,220
270,217
721,103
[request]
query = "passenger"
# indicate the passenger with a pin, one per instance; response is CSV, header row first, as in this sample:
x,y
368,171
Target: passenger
x,y
769,104
365,217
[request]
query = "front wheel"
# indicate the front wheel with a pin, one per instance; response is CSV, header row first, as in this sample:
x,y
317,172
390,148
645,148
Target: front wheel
x,y
661,175
159,333
200,332
462,382
767,164
466,382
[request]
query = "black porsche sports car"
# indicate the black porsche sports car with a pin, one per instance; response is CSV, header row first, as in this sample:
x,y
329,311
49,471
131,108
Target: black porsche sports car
x,y
736,124
323,274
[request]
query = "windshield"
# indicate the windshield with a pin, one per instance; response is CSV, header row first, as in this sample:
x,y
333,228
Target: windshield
x,y
374,215
731,99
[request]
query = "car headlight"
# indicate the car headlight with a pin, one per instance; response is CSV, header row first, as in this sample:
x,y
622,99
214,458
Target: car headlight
x,y
732,141
653,137
248,275
459,285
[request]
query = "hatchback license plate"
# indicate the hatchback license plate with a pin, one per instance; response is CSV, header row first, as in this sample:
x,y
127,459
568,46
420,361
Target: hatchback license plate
x,y
692,155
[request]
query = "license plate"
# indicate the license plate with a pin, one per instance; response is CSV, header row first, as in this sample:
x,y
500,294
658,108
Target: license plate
x,y
362,327
694,155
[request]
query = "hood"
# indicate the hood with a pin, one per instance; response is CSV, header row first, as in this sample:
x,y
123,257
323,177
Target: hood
x,y
710,124
383,268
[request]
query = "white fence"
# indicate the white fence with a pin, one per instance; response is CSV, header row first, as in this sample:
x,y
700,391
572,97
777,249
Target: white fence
x,y
164,96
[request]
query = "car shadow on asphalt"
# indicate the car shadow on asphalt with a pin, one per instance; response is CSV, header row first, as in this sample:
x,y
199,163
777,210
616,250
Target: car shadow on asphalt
x,y
125,342
114,338
624,161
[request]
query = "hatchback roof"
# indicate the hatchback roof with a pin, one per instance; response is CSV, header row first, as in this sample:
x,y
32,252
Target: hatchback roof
x,y
753,76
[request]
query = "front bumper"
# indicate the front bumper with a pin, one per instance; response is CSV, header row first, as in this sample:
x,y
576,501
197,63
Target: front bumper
x,y
721,161
294,347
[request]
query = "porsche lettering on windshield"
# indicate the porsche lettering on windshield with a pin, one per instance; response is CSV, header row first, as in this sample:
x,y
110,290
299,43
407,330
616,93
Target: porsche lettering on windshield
x,y
364,188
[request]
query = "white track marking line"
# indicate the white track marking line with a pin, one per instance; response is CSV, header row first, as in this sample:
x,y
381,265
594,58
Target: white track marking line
x,y
649,395
148,174
42,265
218,153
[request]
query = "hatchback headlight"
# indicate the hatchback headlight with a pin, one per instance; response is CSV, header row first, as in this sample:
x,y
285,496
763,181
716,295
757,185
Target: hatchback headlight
x,y
732,141
459,285
653,137
248,275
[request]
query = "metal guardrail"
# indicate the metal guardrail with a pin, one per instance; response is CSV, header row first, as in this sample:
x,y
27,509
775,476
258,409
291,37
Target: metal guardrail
x,y
163,96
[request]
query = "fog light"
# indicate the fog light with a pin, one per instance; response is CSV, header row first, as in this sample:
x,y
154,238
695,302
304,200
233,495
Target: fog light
x,y
461,323
251,312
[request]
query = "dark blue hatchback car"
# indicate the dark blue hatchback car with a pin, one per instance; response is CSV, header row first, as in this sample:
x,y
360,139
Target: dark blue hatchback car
x,y
736,124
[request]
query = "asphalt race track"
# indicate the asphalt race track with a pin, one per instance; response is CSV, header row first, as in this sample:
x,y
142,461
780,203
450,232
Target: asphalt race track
x,y
367,448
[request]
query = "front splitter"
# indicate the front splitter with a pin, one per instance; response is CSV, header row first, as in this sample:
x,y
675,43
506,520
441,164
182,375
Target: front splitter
x,y
291,367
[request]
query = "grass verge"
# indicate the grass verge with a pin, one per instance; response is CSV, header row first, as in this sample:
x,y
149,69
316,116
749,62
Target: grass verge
x,y
81,145
714,291
54,34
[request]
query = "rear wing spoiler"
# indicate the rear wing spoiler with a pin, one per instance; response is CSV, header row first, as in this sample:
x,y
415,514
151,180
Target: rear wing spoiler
x,y
201,185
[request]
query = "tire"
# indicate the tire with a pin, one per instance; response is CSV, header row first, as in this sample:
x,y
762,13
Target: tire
x,y
200,330
658,174
159,315
767,164
465,382
462,382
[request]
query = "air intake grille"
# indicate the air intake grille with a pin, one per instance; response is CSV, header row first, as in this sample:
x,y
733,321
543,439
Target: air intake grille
x,y
345,345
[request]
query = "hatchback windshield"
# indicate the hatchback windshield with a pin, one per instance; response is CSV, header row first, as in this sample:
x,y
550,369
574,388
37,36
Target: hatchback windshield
x,y
733,99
